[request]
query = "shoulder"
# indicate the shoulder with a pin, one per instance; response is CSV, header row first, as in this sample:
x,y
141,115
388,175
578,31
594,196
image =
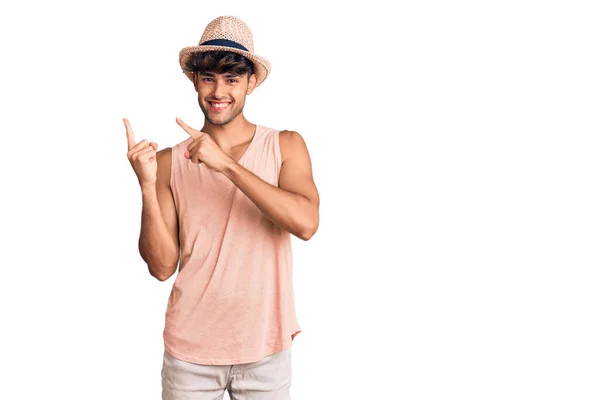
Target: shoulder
x,y
290,142
164,155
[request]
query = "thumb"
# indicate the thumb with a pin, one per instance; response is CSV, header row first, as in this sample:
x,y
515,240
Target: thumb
x,y
154,145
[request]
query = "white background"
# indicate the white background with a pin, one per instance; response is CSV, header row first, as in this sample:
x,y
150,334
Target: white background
x,y
455,149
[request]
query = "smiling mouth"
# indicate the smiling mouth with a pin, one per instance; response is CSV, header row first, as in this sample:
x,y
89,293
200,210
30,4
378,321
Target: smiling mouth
x,y
218,106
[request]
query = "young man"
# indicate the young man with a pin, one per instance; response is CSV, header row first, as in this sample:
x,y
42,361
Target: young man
x,y
228,197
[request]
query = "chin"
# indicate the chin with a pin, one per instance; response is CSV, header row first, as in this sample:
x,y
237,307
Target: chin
x,y
218,121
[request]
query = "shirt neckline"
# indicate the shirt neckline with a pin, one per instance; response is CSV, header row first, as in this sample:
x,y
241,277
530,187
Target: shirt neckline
x,y
250,144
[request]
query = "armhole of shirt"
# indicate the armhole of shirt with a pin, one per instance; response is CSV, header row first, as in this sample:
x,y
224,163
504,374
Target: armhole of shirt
x,y
171,180
278,157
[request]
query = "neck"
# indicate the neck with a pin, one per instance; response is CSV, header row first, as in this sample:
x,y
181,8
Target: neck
x,y
231,134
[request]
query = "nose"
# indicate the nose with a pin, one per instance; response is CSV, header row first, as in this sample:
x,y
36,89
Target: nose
x,y
219,89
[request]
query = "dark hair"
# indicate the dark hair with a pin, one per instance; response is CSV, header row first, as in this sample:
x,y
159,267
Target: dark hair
x,y
219,62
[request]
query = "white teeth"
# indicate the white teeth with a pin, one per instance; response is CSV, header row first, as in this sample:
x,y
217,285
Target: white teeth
x,y
219,105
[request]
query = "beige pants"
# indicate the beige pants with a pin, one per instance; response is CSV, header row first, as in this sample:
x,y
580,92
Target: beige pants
x,y
266,379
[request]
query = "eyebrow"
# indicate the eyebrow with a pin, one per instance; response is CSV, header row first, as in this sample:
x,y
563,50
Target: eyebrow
x,y
227,75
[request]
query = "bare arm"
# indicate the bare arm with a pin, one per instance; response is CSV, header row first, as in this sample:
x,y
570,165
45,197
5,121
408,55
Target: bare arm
x,y
294,205
159,237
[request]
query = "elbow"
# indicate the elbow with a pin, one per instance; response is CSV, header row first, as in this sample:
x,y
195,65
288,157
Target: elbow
x,y
160,268
309,231
305,236
310,222
161,276
162,273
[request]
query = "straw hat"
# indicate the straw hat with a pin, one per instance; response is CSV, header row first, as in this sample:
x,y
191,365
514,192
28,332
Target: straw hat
x,y
229,34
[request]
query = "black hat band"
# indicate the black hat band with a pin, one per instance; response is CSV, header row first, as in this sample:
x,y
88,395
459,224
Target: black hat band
x,y
223,42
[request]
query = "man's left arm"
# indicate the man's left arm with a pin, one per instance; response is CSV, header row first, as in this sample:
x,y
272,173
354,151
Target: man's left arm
x,y
294,205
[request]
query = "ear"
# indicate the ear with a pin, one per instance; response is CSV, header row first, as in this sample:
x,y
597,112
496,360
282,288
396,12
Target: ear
x,y
251,83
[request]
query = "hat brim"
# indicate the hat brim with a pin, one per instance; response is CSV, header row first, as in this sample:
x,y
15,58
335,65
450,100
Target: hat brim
x,y
262,66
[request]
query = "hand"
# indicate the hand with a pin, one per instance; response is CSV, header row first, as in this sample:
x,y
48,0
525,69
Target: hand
x,y
142,157
203,149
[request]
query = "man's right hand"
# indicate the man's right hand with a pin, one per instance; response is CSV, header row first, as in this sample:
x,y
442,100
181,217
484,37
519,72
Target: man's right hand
x,y
142,157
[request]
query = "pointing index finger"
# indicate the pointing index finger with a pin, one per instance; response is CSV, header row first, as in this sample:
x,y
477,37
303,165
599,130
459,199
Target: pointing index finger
x,y
191,131
129,133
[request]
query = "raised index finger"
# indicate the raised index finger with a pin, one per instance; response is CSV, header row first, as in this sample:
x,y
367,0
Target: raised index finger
x,y
129,133
191,131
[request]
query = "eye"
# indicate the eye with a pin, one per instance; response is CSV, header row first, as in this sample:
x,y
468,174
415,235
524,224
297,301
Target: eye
x,y
207,79
232,80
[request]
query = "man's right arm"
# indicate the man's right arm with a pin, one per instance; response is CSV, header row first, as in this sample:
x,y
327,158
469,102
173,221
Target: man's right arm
x,y
159,236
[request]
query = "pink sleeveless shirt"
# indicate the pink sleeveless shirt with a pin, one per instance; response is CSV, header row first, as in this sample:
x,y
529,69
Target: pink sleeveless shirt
x,y
232,301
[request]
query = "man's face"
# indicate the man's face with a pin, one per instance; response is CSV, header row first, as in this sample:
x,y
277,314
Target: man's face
x,y
222,96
